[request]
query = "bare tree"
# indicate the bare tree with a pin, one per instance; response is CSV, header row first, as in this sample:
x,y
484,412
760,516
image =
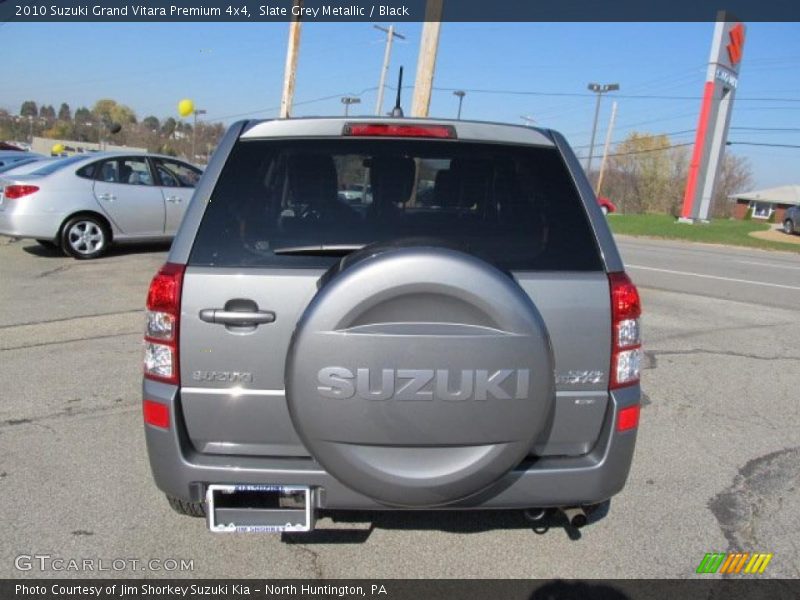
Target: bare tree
x,y
735,175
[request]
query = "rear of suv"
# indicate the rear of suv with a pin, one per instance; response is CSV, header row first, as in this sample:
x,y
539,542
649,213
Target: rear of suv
x,y
462,337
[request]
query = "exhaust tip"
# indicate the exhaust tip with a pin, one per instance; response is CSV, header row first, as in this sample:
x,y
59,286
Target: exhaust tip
x,y
534,515
575,516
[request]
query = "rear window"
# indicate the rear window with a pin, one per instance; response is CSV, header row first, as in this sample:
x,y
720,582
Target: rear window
x,y
305,203
57,165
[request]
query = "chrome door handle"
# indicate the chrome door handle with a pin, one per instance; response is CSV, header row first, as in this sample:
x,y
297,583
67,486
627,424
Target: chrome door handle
x,y
237,318
174,199
107,197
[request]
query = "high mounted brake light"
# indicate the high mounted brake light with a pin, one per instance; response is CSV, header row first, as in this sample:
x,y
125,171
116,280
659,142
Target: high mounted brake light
x,y
161,327
399,130
626,342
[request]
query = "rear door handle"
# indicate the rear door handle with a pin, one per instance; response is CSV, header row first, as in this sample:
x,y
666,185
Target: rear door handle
x,y
174,199
237,318
107,197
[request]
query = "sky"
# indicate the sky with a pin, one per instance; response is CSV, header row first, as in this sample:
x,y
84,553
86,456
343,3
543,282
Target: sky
x,y
236,71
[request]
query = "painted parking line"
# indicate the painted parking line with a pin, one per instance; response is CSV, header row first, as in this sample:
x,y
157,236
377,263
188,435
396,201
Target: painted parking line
x,y
764,264
717,277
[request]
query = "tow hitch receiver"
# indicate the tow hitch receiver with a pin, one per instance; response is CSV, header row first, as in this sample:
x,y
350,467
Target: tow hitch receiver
x,y
259,508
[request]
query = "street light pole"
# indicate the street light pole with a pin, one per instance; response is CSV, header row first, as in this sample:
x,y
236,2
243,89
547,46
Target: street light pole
x,y
347,101
460,94
194,130
387,55
598,89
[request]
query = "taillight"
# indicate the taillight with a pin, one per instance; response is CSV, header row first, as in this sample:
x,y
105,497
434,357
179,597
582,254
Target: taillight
x,y
161,326
12,192
399,130
626,341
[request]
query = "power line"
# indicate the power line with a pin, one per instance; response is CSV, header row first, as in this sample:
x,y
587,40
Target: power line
x,y
691,143
764,144
767,128
584,95
311,101
661,149
687,131
669,133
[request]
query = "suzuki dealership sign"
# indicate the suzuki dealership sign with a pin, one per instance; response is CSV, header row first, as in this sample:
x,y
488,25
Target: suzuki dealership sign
x,y
722,80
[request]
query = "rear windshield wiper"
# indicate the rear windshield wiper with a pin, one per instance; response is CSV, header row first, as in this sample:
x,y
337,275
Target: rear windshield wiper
x,y
320,250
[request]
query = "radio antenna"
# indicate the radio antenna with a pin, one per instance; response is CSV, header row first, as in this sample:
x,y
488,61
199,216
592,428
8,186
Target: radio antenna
x,y
397,111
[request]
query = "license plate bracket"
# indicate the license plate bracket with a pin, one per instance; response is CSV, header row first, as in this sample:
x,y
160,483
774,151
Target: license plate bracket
x,y
254,508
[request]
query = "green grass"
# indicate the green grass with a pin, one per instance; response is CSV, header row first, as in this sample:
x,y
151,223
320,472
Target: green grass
x,y
720,231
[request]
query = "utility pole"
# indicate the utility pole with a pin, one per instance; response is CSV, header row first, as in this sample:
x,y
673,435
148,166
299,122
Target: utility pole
x,y
599,90
387,55
290,73
605,148
426,64
194,130
460,94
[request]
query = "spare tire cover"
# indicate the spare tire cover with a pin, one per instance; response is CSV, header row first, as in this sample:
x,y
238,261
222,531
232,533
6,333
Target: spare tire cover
x,y
419,376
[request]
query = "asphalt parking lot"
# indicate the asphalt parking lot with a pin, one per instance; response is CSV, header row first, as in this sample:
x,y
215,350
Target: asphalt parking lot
x,y
717,465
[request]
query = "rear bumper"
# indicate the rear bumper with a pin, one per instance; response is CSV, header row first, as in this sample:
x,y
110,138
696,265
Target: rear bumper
x,y
180,471
29,225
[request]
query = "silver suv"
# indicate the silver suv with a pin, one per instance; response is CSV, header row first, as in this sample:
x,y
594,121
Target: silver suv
x,y
463,337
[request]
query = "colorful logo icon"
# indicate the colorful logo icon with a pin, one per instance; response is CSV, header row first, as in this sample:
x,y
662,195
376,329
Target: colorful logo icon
x,y
734,563
736,47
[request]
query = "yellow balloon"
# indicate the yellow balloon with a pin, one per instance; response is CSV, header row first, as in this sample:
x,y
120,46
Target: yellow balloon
x,y
57,148
185,107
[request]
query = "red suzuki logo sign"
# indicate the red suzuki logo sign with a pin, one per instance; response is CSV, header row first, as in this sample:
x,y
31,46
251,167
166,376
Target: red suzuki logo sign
x,y
736,47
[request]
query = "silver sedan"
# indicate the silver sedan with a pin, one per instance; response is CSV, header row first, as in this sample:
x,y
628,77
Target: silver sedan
x,y
82,204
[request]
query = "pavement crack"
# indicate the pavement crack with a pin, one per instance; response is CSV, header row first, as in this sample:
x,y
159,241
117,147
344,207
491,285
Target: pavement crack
x,y
757,491
71,340
316,567
69,412
75,318
60,269
654,354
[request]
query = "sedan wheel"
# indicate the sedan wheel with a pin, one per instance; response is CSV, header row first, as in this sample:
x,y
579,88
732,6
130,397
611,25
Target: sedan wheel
x,y
788,226
85,237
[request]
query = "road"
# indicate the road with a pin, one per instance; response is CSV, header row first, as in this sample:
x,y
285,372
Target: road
x,y
757,276
717,464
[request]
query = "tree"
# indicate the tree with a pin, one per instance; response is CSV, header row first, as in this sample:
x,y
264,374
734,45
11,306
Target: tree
x,y
47,112
108,111
735,175
168,127
82,115
64,114
29,109
61,130
151,123
646,173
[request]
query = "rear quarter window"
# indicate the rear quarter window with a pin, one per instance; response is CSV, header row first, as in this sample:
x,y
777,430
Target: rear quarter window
x,y
277,200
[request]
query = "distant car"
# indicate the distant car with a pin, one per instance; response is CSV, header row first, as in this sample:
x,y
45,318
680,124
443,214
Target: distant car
x,y
26,165
791,220
82,204
606,205
8,157
354,194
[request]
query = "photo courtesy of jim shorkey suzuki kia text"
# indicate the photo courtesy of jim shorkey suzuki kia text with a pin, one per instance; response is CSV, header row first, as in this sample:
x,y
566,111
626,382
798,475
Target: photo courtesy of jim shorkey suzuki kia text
x,y
195,589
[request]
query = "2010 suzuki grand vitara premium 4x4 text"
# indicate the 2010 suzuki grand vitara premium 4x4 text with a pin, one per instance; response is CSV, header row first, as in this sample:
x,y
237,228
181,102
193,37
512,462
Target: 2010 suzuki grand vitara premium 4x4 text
x,y
460,333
